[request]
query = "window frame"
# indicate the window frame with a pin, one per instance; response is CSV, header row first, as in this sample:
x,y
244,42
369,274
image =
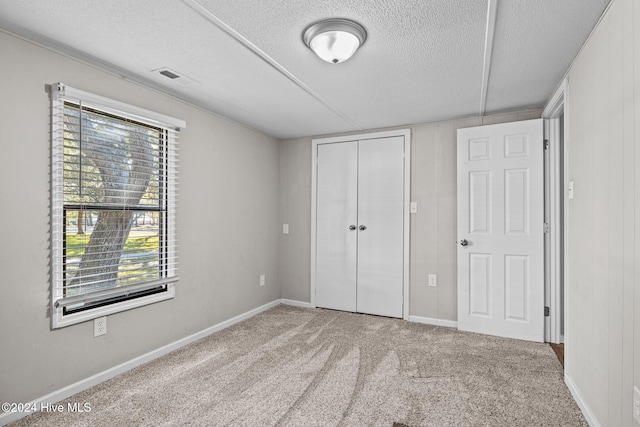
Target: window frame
x,y
127,297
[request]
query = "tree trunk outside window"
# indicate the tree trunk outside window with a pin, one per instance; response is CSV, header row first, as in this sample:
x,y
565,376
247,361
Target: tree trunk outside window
x,y
124,179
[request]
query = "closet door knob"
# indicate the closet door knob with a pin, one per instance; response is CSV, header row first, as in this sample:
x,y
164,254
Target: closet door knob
x,y
362,227
352,227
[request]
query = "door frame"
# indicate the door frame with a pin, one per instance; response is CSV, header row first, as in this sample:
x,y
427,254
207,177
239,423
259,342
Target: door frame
x,y
556,214
406,133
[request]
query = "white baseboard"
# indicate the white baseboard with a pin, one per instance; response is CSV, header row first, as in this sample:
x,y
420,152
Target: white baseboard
x,y
70,390
296,303
435,322
586,411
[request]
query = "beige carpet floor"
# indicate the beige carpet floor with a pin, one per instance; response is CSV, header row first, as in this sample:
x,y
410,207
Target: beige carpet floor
x,y
312,367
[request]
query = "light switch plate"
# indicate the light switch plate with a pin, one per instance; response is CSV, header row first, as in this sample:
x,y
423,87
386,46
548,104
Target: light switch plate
x,y
285,228
433,280
413,207
570,190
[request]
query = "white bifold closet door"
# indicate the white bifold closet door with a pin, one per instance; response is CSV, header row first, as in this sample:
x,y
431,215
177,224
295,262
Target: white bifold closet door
x,y
336,225
360,226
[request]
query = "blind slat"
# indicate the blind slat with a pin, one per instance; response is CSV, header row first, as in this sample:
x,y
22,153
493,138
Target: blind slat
x,y
111,293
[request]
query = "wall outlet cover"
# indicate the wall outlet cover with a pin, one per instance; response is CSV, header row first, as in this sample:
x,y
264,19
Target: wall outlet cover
x,y
99,326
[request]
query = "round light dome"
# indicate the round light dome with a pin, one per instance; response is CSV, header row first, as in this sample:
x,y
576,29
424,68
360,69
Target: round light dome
x,y
334,40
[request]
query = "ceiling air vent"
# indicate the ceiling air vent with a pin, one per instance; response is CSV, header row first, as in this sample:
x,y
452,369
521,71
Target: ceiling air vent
x,y
175,76
169,74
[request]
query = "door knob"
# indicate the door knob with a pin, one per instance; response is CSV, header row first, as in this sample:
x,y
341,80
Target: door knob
x,y
362,227
352,227
464,242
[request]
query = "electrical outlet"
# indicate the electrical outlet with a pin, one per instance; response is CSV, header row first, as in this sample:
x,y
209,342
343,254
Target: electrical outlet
x,y
433,280
100,326
262,279
636,404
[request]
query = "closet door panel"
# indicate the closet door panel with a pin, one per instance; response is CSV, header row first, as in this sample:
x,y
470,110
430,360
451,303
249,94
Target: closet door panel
x,y
336,243
381,224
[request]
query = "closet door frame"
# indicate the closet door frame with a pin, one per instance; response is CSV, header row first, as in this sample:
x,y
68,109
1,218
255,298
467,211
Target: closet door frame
x,y
406,133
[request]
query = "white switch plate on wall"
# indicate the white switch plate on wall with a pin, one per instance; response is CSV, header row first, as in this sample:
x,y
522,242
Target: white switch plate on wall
x,y
285,228
570,192
263,279
433,280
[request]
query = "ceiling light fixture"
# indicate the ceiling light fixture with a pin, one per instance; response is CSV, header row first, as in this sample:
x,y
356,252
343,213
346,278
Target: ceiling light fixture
x,y
334,40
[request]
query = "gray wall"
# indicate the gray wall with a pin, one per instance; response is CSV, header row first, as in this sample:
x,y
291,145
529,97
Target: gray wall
x,y
433,228
603,290
295,208
228,226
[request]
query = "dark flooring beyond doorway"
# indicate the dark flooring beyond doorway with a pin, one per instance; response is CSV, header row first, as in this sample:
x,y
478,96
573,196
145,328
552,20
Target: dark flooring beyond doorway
x,y
559,350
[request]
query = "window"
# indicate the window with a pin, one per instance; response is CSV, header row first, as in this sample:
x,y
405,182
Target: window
x,y
113,206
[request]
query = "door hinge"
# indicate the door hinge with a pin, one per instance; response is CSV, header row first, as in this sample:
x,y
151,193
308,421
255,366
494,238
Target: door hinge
x,y
545,227
546,312
546,144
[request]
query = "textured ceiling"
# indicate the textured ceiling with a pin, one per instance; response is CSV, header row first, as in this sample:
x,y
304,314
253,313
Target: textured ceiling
x,y
422,61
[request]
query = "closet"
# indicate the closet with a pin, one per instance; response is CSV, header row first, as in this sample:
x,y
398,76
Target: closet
x,y
361,223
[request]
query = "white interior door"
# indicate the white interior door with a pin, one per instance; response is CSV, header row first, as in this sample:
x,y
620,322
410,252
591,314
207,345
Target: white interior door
x,y
336,225
500,230
380,226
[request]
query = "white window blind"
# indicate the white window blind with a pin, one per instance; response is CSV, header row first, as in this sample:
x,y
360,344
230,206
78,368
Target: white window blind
x,y
114,171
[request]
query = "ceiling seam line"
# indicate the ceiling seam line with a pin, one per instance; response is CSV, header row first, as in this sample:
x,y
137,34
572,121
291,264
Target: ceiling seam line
x,y
492,10
205,13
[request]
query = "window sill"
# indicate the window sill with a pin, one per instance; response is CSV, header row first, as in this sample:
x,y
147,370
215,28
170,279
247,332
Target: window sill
x,y
59,320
